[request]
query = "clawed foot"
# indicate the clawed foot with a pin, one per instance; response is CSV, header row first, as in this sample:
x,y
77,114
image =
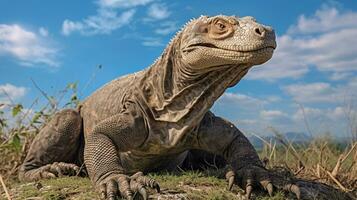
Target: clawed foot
x,y
56,169
254,177
120,185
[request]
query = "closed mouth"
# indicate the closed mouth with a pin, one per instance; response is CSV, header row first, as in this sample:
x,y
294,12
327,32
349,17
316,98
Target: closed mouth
x,y
247,50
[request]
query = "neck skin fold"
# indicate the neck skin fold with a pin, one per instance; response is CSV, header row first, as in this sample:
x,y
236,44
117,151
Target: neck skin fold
x,y
174,92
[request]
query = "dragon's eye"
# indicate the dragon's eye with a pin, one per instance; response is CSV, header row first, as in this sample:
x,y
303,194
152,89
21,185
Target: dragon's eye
x,y
221,26
220,29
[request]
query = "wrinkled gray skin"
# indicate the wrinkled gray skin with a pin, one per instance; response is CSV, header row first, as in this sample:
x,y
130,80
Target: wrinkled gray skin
x,y
159,118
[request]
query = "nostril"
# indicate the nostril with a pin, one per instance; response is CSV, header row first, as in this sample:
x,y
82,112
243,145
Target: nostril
x,y
257,31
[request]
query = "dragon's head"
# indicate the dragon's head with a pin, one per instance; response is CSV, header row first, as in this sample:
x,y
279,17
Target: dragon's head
x,y
211,42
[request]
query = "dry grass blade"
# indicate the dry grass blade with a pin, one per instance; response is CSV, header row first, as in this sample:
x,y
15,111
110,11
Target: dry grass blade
x,y
272,151
262,139
51,101
336,181
5,189
341,159
288,146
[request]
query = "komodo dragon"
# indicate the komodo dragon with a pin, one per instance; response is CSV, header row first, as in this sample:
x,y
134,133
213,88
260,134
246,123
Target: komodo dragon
x,y
159,118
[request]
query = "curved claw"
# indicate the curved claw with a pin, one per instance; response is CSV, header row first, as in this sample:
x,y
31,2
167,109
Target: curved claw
x,y
140,188
230,176
250,176
230,183
269,188
293,188
248,191
157,187
143,193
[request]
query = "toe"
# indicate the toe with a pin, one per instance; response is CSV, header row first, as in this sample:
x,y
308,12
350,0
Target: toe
x,y
103,191
68,168
46,174
56,169
149,182
124,187
249,186
137,187
112,189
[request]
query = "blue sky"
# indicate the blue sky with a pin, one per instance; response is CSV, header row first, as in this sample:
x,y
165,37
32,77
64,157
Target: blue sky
x,y
309,85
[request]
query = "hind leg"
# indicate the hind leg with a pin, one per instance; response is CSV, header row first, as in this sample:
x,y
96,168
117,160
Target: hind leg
x,y
55,149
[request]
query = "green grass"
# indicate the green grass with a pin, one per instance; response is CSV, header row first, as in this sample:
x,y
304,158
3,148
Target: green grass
x,y
186,185
54,189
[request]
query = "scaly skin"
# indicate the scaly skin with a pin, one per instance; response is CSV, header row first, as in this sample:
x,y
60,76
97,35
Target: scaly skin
x,y
150,120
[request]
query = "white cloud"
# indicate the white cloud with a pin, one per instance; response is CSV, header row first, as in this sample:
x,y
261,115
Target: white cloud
x,y
114,14
326,40
239,106
271,114
249,122
283,64
333,120
257,114
122,3
104,22
322,92
273,99
158,12
241,109
69,26
29,48
340,76
110,17
336,113
276,118
166,28
43,31
312,120
311,92
9,93
326,19
265,118
241,100
307,112
152,42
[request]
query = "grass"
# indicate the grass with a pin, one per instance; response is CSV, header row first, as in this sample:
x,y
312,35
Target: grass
x,y
187,185
208,184
56,189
